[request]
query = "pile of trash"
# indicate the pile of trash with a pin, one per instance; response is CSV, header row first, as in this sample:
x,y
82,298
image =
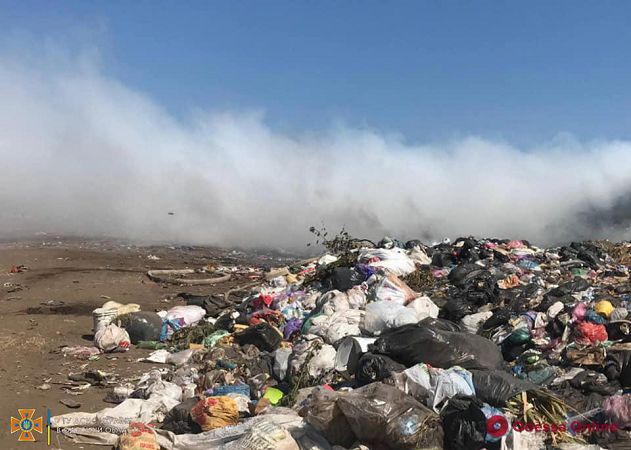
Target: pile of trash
x,y
471,344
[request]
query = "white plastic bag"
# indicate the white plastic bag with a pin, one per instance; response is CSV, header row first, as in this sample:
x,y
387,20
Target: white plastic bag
x,y
473,322
423,307
322,361
191,314
112,339
337,326
383,315
392,289
394,260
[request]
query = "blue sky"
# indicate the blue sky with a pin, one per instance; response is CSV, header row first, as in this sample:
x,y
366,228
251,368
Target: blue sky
x,y
523,72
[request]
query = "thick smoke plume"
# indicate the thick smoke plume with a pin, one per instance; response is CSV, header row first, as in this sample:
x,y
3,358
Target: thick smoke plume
x,y
83,154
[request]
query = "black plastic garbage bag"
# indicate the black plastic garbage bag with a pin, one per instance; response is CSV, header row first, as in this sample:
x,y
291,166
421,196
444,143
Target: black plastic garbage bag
x,y
179,420
461,273
591,381
481,289
464,424
378,413
495,387
142,326
413,344
192,299
576,285
215,305
226,321
263,336
618,367
371,368
441,324
456,308
500,317
619,330
343,278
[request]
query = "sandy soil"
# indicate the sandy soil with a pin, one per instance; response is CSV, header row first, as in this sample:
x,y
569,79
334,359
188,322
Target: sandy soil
x,y
82,275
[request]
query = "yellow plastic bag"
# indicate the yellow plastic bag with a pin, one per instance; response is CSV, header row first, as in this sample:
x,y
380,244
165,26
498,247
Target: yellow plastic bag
x,y
215,412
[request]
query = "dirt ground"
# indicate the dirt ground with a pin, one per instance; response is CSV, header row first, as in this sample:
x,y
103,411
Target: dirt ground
x,y
82,275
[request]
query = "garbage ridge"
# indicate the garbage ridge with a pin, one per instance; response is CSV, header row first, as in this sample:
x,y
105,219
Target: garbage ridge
x,y
470,344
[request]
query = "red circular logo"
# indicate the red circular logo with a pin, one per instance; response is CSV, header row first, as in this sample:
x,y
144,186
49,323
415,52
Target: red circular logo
x,y
497,426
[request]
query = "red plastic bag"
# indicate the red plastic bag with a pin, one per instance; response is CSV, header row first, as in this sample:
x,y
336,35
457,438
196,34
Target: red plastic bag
x,y
591,333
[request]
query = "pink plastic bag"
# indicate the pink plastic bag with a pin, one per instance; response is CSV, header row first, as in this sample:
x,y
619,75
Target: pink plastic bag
x,y
618,408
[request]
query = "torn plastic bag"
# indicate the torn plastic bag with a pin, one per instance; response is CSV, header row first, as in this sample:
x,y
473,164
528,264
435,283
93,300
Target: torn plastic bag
x,y
495,387
263,336
179,420
464,424
382,414
413,344
371,368
325,416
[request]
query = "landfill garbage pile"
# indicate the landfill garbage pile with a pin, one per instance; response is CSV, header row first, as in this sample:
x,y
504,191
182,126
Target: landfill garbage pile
x,y
471,344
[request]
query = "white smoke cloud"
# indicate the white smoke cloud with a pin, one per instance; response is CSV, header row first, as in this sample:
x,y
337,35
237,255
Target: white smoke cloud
x,y
83,154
